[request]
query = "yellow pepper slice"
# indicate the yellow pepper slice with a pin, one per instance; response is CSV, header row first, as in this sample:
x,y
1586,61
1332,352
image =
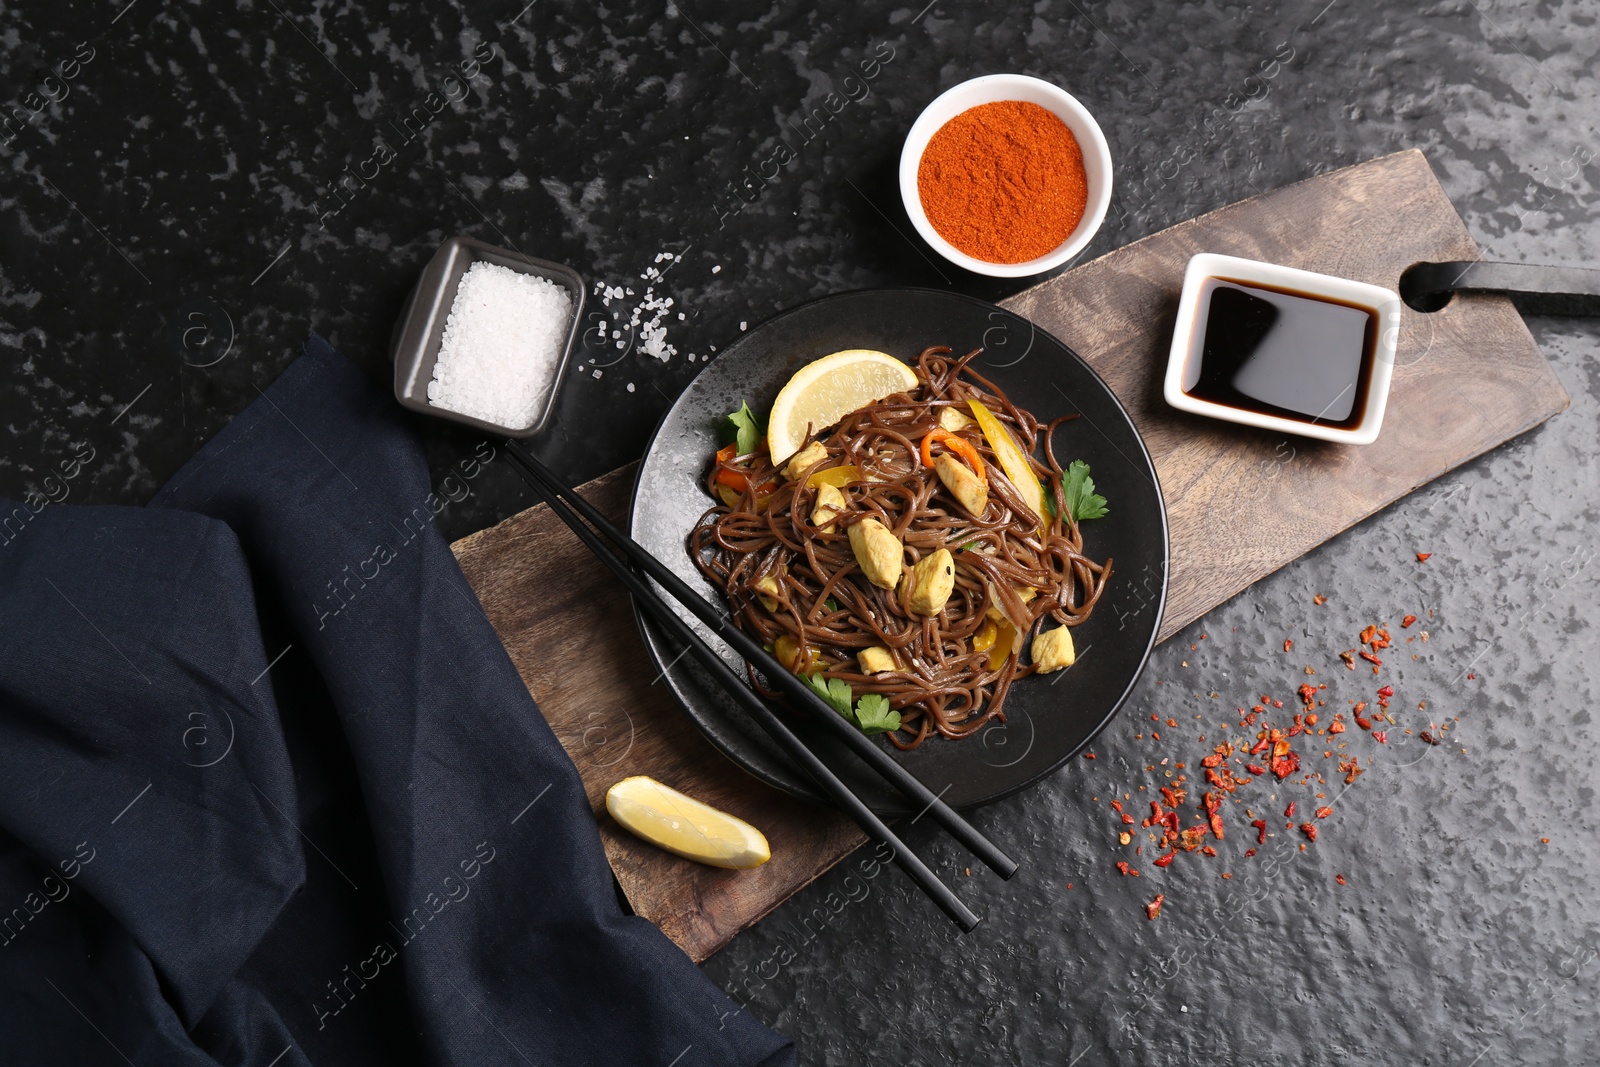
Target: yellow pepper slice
x,y
984,639
1004,645
1012,460
838,477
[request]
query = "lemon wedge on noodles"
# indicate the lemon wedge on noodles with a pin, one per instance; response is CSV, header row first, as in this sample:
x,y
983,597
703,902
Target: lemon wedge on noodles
x,y
823,392
681,824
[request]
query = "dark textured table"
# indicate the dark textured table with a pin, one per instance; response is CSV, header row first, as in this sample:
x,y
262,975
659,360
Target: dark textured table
x,y
189,188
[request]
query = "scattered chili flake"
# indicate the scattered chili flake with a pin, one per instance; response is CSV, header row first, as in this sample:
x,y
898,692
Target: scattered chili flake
x,y
1167,859
1225,874
1259,747
1368,634
1544,840
1319,600
1407,621
1127,869
1249,852
1370,658
1364,723
1216,825
1349,659
1283,766
1429,738
1211,761
1166,794
1261,831
1116,805
1288,813
1323,813
1255,768
1340,879
1310,830
1208,851
1153,908
1088,755
1308,694
1381,736
1386,692
1127,819
1336,727
1422,557
1288,645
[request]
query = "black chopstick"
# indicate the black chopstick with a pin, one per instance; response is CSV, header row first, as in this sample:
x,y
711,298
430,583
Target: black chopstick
x,y
796,749
791,686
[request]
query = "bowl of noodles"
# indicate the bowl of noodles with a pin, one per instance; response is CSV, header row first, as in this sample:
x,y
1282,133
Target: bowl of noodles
x,y
939,563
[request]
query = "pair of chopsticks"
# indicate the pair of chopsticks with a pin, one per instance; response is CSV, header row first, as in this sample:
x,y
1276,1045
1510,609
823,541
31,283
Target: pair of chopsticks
x,y
564,501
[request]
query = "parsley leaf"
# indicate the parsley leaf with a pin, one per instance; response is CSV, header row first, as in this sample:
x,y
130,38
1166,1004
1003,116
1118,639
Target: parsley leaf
x,y
1078,495
746,432
830,605
874,716
834,691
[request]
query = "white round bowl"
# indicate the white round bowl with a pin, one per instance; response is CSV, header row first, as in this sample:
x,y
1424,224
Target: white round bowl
x,y
988,90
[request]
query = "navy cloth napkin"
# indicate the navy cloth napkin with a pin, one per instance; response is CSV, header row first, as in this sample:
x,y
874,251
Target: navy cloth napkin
x,y
272,792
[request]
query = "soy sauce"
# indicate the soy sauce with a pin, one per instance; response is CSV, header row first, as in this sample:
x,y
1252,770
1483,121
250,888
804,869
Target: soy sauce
x,y
1280,352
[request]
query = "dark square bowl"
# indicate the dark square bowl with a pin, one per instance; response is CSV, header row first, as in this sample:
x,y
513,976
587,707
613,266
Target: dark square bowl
x,y
415,344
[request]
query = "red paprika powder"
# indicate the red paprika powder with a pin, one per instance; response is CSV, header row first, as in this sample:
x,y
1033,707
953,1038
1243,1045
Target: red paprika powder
x,y
1003,182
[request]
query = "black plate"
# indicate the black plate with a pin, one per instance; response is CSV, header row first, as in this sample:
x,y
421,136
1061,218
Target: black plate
x,y
1050,718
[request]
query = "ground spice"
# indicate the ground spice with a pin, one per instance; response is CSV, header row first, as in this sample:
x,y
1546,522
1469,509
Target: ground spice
x,y
1003,182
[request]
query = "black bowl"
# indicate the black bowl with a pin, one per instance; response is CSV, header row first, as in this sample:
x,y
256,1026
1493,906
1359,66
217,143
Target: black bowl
x,y
1049,718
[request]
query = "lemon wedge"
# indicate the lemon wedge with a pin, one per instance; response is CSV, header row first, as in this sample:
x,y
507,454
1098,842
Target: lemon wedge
x,y
825,391
681,824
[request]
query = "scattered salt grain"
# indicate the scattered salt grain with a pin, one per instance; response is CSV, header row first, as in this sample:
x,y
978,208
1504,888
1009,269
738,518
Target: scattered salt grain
x,y
717,269
744,326
502,342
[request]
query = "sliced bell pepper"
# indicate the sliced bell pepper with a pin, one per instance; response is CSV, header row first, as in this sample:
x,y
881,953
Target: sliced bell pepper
x,y
1012,459
956,445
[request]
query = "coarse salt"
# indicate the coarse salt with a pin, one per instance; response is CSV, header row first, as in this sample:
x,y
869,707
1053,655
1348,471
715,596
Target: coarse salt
x,y
502,343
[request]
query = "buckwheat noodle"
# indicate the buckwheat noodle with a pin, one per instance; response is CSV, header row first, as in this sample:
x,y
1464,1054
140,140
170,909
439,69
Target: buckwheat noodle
x,y
945,686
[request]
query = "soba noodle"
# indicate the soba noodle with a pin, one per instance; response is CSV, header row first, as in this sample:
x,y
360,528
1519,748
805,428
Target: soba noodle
x,y
827,609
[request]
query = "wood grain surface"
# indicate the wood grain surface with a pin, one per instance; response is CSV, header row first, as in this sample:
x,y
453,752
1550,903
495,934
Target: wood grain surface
x,y
1240,503
1243,502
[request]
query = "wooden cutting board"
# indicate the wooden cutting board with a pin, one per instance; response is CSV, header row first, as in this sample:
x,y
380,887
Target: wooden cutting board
x,y
1240,503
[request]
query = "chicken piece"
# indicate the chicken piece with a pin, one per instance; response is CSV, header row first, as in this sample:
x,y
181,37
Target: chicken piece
x,y
954,421
876,659
830,502
878,552
932,580
808,456
962,483
1052,650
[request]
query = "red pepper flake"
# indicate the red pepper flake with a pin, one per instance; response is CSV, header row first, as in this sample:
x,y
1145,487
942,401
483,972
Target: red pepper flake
x,y
1429,738
1368,634
1308,695
1288,645
1284,766
1349,659
1323,813
1261,832
1364,723
1422,557
1277,703
1208,851
1249,852
1127,819
1167,859
1153,908
1116,805
1382,640
1126,869
1288,813
1190,839
1088,755
1340,879
1319,600
1310,830
1254,768
1336,727
1166,794
1386,692
1211,761
1259,747
1216,826
1407,621
1370,658
1381,736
